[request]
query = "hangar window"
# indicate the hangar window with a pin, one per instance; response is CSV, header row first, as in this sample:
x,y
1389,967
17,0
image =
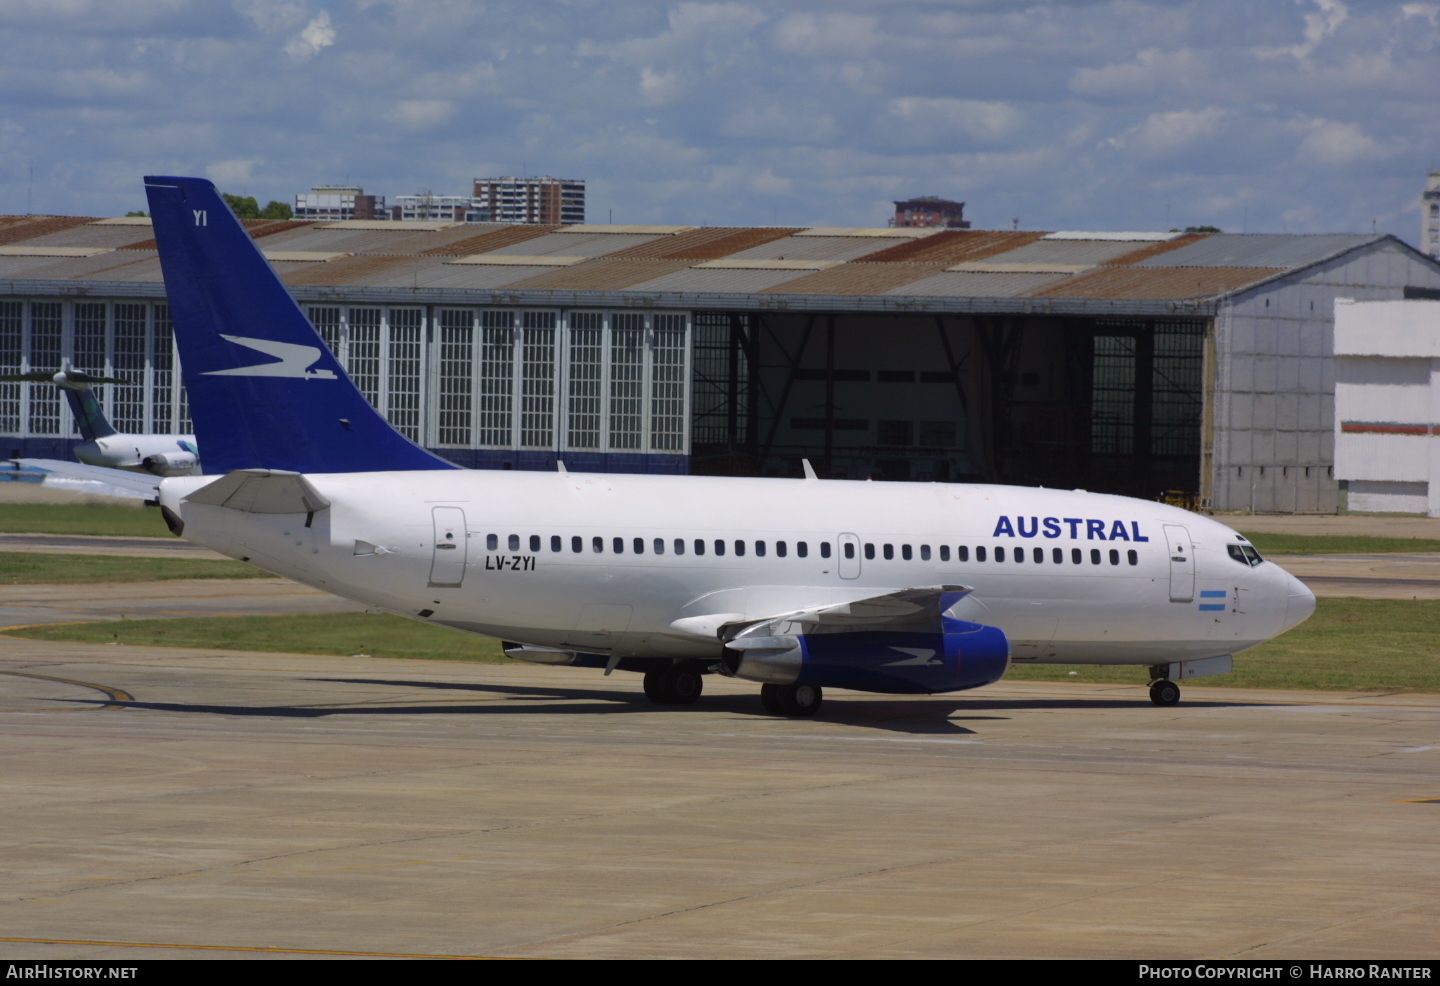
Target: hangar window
x,y
679,546
534,542
659,546
577,543
699,546
869,551
492,542
639,546
1133,556
760,549
497,378
1094,556
889,551
537,379
980,553
627,375
617,545
597,544
513,542
457,354
586,364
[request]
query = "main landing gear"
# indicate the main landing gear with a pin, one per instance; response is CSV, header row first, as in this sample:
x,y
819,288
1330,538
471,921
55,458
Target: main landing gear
x,y
791,700
679,684
1164,692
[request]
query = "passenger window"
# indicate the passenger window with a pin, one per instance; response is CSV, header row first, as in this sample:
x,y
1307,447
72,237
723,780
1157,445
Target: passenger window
x,y
659,546
999,554
597,544
980,553
492,542
1058,556
944,552
514,542
962,553
1094,556
779,549
719,547
639,546
577,544
759,549
869,552
905,552
679,546
739,549
554,542
618,545
889,552
849,550
924,552
1133,556
1114,556
534,542
824,549
699,546
1075,556
1038,555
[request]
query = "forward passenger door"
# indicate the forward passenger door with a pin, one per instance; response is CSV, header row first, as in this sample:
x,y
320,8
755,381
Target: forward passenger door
x,y
1182,563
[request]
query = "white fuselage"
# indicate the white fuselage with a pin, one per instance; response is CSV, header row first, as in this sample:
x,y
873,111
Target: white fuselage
x,y
160,455
476,550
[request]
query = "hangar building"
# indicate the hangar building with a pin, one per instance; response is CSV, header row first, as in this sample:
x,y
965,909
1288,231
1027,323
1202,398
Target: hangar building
x,y
1134,363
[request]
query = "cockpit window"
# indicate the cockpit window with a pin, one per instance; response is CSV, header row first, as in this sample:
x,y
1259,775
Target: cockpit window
x,y
1244,554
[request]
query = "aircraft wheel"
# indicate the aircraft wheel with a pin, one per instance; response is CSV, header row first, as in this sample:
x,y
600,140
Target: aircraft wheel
x,y
795,701
1165,693
679,684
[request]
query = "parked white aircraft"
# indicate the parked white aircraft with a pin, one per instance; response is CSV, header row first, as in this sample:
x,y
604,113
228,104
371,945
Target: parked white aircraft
x,y
796,584
157,455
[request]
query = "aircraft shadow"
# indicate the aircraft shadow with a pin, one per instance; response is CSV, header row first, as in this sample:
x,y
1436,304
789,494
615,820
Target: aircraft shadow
x,y
937,716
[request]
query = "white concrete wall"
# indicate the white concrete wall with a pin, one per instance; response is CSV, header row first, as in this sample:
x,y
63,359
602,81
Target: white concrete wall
x,y
1274,402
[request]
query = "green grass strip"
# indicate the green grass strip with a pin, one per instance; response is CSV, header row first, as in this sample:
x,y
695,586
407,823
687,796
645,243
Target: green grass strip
x,y
378,635
26,568
53,518
1348,645
1335,544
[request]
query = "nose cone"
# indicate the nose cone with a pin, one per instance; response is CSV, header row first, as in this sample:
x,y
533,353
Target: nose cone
x,y
1299,603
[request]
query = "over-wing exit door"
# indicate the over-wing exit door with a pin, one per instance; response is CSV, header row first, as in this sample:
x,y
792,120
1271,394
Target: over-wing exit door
x,y
448,565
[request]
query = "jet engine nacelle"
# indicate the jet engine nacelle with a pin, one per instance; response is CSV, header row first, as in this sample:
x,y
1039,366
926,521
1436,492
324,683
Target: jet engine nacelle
x,y
170,463
963,655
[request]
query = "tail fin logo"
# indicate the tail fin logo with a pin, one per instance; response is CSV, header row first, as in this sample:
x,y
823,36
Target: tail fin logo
x,y
295,361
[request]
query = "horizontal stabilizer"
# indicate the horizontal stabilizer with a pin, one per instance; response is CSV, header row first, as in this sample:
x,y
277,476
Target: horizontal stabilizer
x,y
138,484
262,491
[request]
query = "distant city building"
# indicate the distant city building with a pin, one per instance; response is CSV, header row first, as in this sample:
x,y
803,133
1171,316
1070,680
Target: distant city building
x,y
1430,215
532,200
930,211
335,202
425,206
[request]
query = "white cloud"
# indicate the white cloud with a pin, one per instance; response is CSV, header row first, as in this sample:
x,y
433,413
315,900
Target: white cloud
x,y
1334,142
1319,25
421,114
1171,132
236,171
317,35
973,118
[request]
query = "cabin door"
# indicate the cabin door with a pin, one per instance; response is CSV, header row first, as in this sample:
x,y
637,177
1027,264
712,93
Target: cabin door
x,y
1182,563
447,567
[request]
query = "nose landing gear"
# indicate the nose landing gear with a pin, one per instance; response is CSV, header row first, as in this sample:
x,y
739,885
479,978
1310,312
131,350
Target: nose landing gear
x,y
1164,692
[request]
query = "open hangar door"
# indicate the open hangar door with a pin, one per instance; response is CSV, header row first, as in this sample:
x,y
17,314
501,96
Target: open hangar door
x,y
1112,405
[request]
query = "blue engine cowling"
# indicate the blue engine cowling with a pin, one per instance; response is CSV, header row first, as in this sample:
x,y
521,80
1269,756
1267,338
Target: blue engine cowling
x,y
963,655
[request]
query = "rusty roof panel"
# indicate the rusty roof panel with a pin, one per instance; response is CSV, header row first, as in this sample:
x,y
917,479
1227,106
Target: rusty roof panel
x,y
952,284
1149,250
343,270
317,237
34,227
856,279
719,279
114,237
1080,252
706,243
810,248
602,275
579,244
952,247
1277,250
1159,283
465,240
69,268
481,277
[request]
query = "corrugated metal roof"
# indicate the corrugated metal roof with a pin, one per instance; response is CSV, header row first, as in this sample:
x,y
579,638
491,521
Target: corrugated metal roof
x,y
810,248
953,247
855,279
602,275
350,270
1086,252
32,227
708,243
1143,282
463,241
718,280
965,285
1275,250
578,244
466,278
1157,249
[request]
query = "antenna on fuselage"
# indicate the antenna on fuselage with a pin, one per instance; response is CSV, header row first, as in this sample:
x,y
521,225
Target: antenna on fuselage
x,y
560,466
809,469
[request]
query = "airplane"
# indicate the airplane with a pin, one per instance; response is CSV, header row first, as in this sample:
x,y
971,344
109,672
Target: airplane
x,y
795,584
104,447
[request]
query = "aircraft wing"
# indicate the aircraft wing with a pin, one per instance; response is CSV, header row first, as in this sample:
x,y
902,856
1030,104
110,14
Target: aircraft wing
x,y
136,484
902,609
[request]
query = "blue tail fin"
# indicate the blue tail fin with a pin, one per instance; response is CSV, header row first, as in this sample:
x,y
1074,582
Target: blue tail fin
x,y
264,391
88,417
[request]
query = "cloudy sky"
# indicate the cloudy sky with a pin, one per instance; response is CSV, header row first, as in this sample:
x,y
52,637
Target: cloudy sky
x,y
1253,115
